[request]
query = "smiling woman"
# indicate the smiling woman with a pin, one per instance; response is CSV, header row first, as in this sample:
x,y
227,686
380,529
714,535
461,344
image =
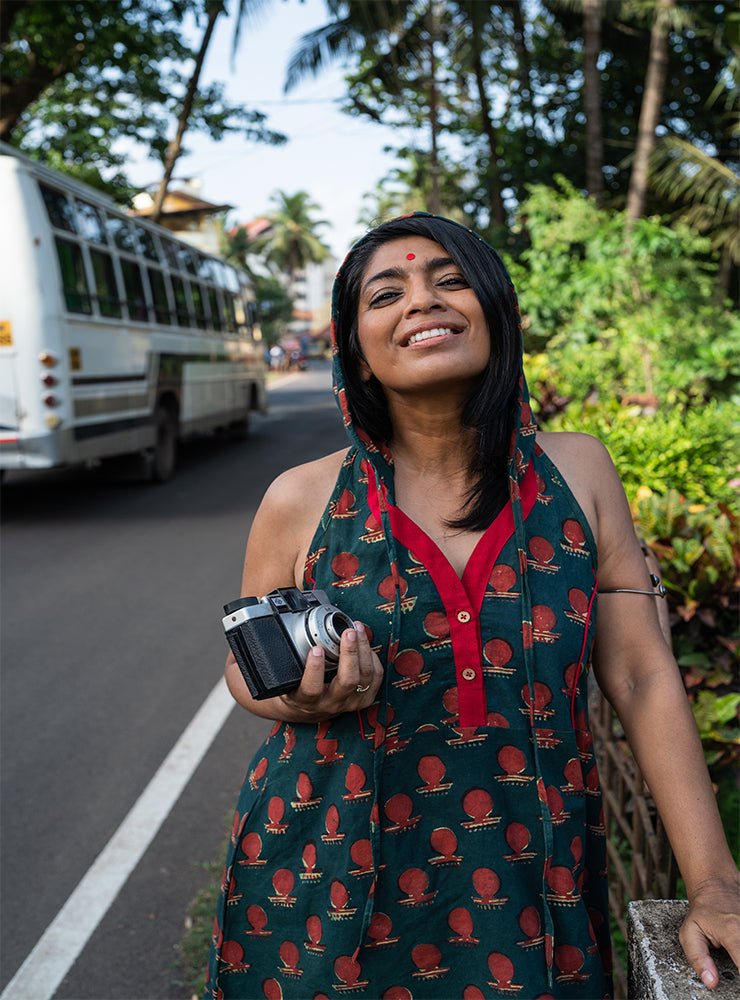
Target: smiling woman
x,y
440,805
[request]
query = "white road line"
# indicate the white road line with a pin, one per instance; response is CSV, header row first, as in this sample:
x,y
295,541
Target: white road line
x,y
68,933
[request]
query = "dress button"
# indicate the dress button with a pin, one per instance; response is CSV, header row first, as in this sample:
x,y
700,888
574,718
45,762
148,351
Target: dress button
x,y
469,674
463,617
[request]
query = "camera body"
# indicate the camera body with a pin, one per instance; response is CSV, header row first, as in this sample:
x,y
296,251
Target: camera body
x,y
271,636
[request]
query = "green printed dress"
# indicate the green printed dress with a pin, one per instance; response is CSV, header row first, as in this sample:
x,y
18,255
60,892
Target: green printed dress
x,y
448,842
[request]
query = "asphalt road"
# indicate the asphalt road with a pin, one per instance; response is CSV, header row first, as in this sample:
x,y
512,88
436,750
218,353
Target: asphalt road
x,y
111,641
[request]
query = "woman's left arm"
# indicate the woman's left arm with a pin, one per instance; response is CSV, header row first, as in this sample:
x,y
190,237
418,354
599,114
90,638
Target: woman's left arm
x,y
639,676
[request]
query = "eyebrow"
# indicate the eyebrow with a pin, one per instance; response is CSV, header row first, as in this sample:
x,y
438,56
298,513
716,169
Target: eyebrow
x,y
434,264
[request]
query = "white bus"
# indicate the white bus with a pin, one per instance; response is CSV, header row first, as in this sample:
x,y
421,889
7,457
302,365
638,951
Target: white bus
x,y
116,338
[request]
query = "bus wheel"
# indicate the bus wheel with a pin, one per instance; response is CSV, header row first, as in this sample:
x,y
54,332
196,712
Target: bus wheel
x,y
164,454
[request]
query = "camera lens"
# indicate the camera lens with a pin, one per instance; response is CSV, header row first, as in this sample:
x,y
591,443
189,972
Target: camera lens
x,y
338,623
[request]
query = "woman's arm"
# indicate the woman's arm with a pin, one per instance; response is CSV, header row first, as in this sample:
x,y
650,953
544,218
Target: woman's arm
x,y
639,676
281,530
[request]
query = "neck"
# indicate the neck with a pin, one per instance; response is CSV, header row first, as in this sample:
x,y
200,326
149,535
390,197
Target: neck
x,y
429,439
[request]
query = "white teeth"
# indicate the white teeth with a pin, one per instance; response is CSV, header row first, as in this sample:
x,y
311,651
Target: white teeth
x,y
428,334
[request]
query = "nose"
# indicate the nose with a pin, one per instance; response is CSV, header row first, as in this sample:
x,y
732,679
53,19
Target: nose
x,y
422,296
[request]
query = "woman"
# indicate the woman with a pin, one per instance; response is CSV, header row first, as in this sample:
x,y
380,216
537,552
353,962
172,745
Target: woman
x,y
429,823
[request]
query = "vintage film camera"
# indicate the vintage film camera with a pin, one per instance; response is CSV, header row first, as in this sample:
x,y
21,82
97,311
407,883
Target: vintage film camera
x,y
271,636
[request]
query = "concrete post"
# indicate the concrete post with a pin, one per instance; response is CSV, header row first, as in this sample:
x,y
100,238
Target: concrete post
x,y
658,969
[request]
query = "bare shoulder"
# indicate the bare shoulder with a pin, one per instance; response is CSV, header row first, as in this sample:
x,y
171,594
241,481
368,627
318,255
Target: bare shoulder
x,y
285,523
587,467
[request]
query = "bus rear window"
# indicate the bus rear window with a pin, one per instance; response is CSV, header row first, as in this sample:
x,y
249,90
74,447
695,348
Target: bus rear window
x,y
90,223
59,209
147,244
122,233
106,287
181,301
74,283
196,291
159,295
215,311
135,298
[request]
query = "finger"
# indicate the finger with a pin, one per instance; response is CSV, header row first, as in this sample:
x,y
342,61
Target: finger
x,y
312,683
348,672
696,949
365,657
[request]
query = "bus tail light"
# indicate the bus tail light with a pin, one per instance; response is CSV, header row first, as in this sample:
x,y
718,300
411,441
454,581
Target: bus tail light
x,y
50,399
48,360
49,381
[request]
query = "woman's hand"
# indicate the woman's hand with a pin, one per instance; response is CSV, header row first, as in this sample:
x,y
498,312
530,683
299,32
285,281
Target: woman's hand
x,y
355,684
713,920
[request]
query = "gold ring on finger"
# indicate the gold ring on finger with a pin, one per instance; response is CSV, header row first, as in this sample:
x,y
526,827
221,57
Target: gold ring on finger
x,y
361,690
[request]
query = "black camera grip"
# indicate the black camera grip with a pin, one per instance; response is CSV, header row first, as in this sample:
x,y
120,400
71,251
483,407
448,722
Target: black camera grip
x,y
266,659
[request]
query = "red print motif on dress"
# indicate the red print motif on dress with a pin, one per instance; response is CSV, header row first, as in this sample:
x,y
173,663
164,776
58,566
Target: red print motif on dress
x,y
473,993
542,554
487,884
333,834
251,846
257,920
478,804
444,842
339,899
578,606
344,566
531,925
460,923
397,993
282,882
348,971
569,961
387,590
498,653
290,741
437,628
431,769
418,566
426,958
380,930
536,707
289,956
542,497
355,784
564,891
543,619
361,853
527,426
344,407
232,957
309,857
415,882
229,886
373,530
326,747
398,810
310,565
314,932
466,736
257,773
410,665
573,777
556,806
275,813
518,838
574,538
344,505
502,579
304,793
546,739
513,763
502,971
271,990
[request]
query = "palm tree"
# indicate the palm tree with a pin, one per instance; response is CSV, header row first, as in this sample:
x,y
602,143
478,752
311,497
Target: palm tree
x,y
292,241
246,9
650,110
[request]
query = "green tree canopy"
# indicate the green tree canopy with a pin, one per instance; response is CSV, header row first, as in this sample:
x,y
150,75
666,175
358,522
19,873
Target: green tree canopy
x,y
293,240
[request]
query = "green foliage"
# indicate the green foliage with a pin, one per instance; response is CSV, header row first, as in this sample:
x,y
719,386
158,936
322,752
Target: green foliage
x,y
80,76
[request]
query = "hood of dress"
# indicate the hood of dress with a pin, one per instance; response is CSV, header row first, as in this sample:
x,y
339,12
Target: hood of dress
x,y
524,428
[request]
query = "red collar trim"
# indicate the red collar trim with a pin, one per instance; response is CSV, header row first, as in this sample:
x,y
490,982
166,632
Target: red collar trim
x,y
462,598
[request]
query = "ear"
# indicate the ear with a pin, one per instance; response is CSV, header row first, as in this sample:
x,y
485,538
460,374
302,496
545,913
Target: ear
x,y
365,372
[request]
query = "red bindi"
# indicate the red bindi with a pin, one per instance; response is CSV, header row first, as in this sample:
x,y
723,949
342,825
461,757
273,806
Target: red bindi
x,y
410,256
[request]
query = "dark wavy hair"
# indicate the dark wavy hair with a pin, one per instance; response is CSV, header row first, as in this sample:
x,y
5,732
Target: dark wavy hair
x,y
490,408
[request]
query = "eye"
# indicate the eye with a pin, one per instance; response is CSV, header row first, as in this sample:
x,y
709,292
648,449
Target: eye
x,y
382,297
453,281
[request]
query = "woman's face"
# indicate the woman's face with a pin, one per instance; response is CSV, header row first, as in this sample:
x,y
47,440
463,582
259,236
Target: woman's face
x,y
420,325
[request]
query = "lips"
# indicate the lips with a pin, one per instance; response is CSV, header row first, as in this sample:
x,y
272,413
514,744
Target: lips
x,y
430,333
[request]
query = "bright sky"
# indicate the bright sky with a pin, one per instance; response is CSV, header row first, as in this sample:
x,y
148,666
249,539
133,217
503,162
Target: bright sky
x,y
335,157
